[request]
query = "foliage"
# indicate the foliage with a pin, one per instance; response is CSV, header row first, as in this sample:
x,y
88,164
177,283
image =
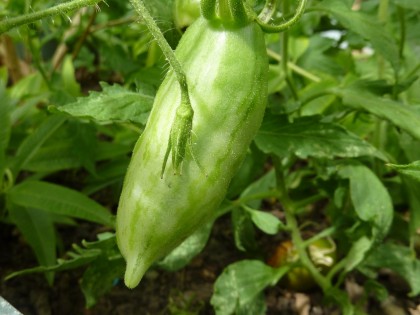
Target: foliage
x,y
340,143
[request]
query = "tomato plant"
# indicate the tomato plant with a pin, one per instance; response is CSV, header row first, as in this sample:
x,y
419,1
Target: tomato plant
x,y
250,132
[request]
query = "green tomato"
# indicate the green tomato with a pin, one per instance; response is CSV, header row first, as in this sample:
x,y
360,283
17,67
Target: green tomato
x,y
186,12
226,70
322,252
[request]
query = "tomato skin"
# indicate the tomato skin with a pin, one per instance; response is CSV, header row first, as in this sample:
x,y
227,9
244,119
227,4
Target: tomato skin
x,y
226,70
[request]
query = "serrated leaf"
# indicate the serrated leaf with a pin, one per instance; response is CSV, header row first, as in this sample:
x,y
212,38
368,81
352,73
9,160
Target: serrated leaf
x,y
58,199
184,253
412,170
113,104
100,277
78,256
403,116
308,136
38,230
241,283
400,259
370,198
365,25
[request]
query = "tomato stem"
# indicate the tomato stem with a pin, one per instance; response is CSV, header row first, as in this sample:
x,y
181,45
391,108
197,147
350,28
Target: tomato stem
x,y
208,9
9,23
271,28
268,11
292,224
182,125
229,12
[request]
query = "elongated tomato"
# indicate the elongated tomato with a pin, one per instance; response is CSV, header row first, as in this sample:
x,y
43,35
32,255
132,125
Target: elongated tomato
x,y
226,71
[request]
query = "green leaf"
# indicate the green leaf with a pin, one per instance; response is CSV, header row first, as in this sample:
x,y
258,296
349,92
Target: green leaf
x,y
365,25
357,253
57,199
370,198
257,306
403,116
100,277
38,230
342,299
241,283
412,170
30,146
108,174
78,256
308,136
114,104
60,155
243,230
413,193
184,253
68,79
400,259
5,129
408,4
266,222
262,185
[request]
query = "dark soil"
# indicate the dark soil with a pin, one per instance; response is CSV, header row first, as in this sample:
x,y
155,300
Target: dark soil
x,y
187,291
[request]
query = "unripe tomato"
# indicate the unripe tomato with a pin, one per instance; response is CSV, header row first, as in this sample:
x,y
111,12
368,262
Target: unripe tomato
x,y
226,70
322,252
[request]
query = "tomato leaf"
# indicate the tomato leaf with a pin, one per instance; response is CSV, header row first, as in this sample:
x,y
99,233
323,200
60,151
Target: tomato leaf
x,y
57,199
241,283
370,198
38,230
5,128
308,136
411,170
403,116
114,104
30,146
100,277
400,259
184,253
265,221
408,4
365,25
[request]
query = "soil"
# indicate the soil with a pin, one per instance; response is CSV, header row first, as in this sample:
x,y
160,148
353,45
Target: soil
x,y
185,292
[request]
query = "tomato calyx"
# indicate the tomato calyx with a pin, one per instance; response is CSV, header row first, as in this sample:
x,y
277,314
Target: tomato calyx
x,y
231,13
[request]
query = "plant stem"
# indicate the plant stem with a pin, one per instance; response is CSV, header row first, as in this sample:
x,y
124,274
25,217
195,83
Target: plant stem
x,y
268,11
383,18
292,224
285,55
163,44
294,67
269,28
8,24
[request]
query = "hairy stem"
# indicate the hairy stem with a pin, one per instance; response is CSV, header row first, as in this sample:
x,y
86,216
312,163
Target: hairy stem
x,y
9,23
163,44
